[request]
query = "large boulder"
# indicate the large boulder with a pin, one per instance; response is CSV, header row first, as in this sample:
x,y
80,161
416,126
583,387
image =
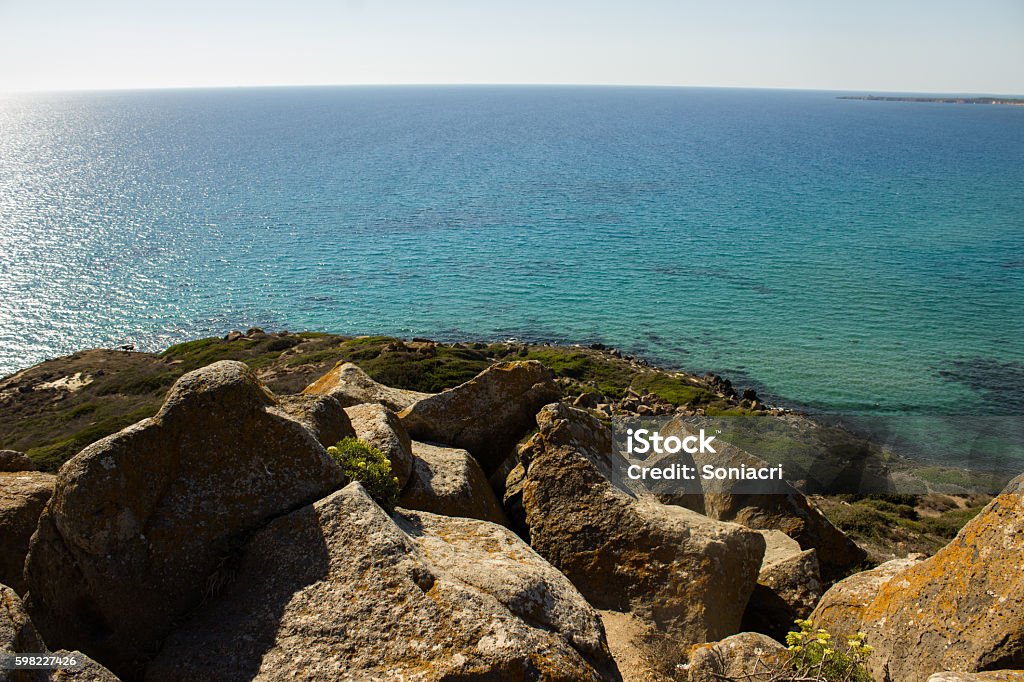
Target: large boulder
x,y
341,590
378,426
142,524
841,608
350,385
746,656
22,498
321,414
962,609
11,460
449,481
788,587
687,576
488,414
775,506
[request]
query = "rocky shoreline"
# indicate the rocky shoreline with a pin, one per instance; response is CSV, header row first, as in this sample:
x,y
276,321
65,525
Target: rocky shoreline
x,y
213,537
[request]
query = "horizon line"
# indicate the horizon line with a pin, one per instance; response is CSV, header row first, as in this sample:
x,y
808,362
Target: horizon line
x,y
271,86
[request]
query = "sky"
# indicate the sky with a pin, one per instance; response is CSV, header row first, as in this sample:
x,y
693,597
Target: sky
x,y
972,46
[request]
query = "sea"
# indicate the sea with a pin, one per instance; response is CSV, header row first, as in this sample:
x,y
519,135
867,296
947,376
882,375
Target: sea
x,y
837,255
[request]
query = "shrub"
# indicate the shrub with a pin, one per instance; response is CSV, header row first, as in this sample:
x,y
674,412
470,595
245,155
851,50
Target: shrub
x,y
368,465
815,655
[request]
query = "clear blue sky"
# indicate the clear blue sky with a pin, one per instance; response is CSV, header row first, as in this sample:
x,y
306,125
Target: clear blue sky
x,y
869,45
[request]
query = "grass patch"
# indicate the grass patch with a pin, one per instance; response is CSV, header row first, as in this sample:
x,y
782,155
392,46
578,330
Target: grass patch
x,y
672,389
51,457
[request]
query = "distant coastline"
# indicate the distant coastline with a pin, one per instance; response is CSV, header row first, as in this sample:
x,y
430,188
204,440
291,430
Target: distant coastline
x,y
940,100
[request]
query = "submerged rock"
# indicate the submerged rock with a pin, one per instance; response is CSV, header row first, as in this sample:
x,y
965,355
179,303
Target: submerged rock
x,y
350,385
488,414
22,498
682,573
142,524
342,590
378,426
448,481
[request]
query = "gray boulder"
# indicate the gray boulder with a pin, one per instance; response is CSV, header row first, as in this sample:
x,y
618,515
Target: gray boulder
x,y
448,481
23,495
746,656
142,524
350,385
11,460
788,587
685,575
488,414
341,590
380,427
321,414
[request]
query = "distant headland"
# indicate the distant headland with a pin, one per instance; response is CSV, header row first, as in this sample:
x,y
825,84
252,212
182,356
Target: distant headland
x,y
940,100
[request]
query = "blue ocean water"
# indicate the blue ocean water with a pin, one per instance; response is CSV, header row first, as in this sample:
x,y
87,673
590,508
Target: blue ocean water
x,y
844,255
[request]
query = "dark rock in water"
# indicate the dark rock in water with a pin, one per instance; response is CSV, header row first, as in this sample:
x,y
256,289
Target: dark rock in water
x,y
352,386
488,414
683,574
380,427
23,495
16,461
342,591
748,655
142,524
448,481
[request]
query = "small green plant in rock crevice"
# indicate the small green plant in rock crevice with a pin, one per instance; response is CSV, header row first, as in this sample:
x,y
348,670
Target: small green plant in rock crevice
x,y
364,463
815,655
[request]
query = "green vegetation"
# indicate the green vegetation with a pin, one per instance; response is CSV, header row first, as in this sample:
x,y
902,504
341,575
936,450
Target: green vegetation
x,y
914,523
672,389
814,654
368,465
585,371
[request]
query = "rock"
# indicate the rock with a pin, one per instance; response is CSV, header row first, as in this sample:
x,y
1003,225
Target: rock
x,y
682,573
16,461
488,414
352,386
748,655
321,414
22,498
448,481
788,587
963,608
17,634
87,670
380,427
588,400
142,524
988,676
341,590
512,499
783,508
840,609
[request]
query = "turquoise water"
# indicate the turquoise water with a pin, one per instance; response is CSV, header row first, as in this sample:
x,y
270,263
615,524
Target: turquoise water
x,y
844,255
